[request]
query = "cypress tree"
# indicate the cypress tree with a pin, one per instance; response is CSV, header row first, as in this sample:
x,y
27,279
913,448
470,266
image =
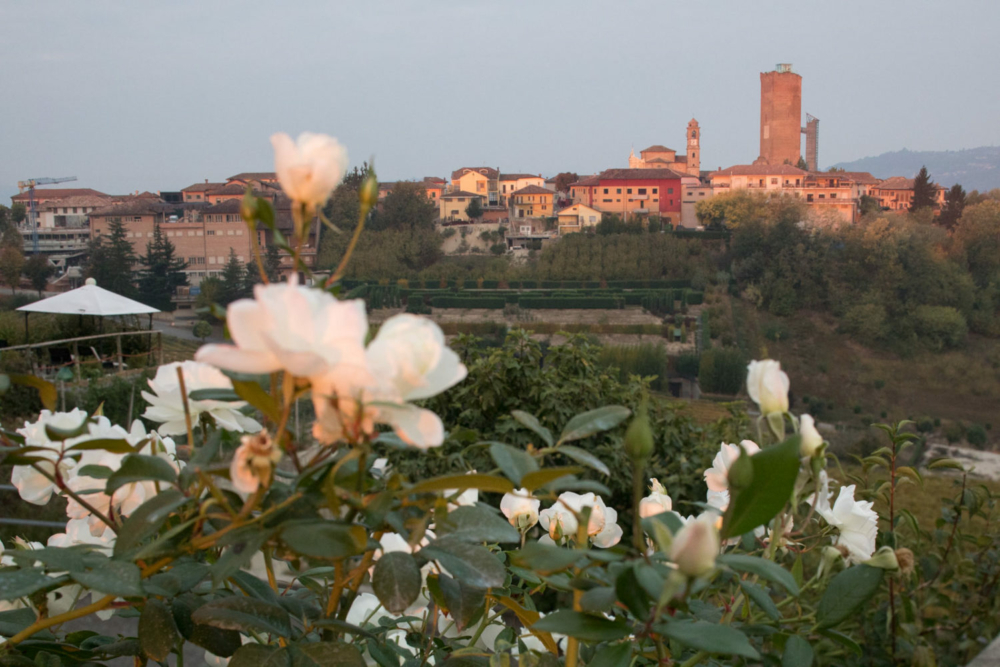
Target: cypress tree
x,y
162,272
234,280
954,204
110,261
924,192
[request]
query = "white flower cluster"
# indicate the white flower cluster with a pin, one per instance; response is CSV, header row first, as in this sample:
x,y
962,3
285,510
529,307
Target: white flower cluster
x,y
311,335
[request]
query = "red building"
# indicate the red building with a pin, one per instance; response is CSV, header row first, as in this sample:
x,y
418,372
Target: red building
x,y
629,192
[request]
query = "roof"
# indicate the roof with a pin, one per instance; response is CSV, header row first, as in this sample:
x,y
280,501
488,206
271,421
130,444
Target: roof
x,y
857,176
760,170
488,172
517,177
576,208
58,193
896,183
254,176
657,148
233,189
459,193
135,207
89,300
227,206
637,174
533,190
81,200
587,181
203,187
434,179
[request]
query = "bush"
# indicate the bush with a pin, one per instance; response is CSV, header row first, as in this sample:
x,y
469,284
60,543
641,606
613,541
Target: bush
x,y
976,436
722,371
954,432
644,360
201,329
687,365
491,302
417,307
562,303
775,331
868,323
925,425
941,327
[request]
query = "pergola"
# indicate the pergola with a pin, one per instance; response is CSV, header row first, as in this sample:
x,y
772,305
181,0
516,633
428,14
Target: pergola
x,y
88,300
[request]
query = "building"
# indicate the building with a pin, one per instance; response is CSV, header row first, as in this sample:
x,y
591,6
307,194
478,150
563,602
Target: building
x,y
528,234
780,116
577,218
483,181
692,193
433,188
69,211
198,192
661,157
454,203
46,195
533,201
511,182
630,192
896,193
766,177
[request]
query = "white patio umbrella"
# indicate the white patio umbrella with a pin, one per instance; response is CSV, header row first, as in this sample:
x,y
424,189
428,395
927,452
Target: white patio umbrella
x,y
88,300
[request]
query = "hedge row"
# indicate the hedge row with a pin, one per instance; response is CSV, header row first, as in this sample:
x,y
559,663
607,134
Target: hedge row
x,y
417,283
564,302
490,302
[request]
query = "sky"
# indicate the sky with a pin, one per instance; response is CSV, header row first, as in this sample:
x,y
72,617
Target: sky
x,y
156,96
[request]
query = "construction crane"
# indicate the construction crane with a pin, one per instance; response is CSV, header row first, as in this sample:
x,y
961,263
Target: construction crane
x,y
29,185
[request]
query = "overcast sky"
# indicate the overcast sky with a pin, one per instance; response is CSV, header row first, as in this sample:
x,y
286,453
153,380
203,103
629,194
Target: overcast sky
x,y
157,96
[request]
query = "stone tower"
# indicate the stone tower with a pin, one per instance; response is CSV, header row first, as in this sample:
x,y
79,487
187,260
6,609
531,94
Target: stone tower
x,y
780,116
693,148
633,161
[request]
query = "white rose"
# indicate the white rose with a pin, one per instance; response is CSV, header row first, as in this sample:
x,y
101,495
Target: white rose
x,y
166,405
811,439
695,546
656,502
768,386
31,484
304,331
520,509
253,462
717,477
560,520
611,533
309,169
855,520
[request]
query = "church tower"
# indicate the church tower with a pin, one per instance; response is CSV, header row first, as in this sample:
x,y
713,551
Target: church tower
x,y
633,161
693,148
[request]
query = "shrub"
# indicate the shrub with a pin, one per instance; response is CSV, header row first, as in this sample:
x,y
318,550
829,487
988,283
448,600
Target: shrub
x,y
687,365
201,329
561,303
868,323
941,327
925,425
775,331
879,384
954,432
722,371
491,302
644,360
976,436
417,307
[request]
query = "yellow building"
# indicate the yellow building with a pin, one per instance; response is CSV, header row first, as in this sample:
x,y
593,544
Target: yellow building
x,y
577,218
533,202
482,181
454,203
509,183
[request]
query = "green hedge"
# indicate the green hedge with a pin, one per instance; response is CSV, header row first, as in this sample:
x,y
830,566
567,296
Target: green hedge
x,y
468,302
561,303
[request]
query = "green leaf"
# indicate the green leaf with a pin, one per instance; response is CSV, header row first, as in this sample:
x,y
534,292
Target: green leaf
x,y
215,394
844,641
158,633
13,621
113,577
328,654
56,434
95,471
342,626
472,564
46,390
140,468
798,653
847,592
254,394
477,524
710,637
216,641
531,422
761,567
515,463
16,584
584,457
594,421
775,470
464,603
540,478
586,627
598,600
461,483
324,539
632,595
147,519
252,655
545,558
244,614
761,599
396,581
113,445
241,549
613,655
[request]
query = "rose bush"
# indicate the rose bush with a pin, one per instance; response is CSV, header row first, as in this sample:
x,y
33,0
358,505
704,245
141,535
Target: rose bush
x,y
461,508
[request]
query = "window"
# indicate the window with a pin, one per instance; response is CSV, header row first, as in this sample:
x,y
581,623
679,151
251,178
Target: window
x,y
619,191
74,209
606,191
629,191
774,181
170,234
606,201
656,191
822,196
239,232
210,232
229,232
641,191
833,196
670,191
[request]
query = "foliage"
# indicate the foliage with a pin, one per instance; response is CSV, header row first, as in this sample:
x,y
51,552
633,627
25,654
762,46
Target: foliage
x,y
475,209
942,327
721,371
564,179
646,360
18,213
954,204
924,192
110,259
742,207
11,266
161,273
201,329
385,254
38,270
405,207
272,263
233,280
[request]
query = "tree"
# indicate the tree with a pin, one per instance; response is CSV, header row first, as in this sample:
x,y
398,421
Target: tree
x,y
474,210
162,272
954,204
208,293
406,207
38,271
924,192
11,265
272,263
18,213
342,210
869,205
802,164
234,280
110,261
202,330
565,179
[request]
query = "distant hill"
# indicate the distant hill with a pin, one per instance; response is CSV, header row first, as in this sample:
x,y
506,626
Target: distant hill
x,y
974,168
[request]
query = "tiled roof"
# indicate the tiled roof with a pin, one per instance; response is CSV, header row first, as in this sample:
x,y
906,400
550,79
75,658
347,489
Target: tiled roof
x,y
254,176
86,201
657,148
857,176
587,181
459,193
203,187
488,172
896,183
533,190
58,193
434,179
637,174
227,206
135,207
760,170
516,177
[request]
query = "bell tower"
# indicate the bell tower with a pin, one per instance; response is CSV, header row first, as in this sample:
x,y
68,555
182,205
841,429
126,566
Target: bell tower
x,y
693,148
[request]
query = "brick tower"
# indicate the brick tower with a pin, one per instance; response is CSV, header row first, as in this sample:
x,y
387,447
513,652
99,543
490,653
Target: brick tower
x,y
780,116
693,148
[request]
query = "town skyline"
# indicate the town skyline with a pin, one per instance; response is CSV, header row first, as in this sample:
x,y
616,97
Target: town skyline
x,y
168,116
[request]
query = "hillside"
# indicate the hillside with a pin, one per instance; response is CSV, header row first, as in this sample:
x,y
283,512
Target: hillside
x,y
974,168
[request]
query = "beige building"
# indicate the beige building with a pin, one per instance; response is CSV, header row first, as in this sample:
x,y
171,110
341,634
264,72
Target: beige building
x,y
454,203
482,181
896,193
533,201
512,182
661,157
577,218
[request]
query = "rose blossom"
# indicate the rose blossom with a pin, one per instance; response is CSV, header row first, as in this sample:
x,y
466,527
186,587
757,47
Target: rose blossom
x,y
855,520
656,502
520,509
560,520
253,462
811,439
695,546
768,386
717,477
309,169
166,405
31,484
